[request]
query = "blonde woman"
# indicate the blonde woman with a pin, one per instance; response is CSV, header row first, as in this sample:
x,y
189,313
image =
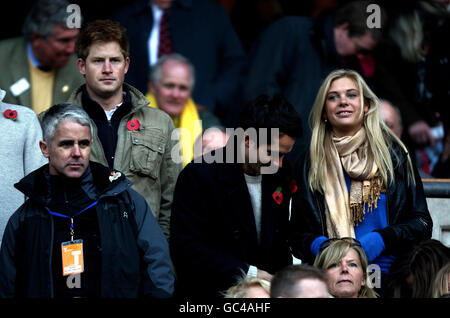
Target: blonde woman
x,y
357,179
346,265
249,287
441,287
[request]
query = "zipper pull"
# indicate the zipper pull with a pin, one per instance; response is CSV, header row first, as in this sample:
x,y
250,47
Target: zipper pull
x,y
71,230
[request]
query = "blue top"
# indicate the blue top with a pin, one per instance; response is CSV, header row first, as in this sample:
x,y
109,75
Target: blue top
x,y
374,219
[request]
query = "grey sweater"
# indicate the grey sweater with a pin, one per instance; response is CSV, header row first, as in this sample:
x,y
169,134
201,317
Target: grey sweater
x,y
19,155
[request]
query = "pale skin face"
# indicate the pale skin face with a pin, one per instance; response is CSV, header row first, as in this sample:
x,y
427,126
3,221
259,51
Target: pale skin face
x,y
346,278
162,4
56,50
390,117
68,152
347,45
343,107
174,88
104,70
256,292
265,155
312,288
212,139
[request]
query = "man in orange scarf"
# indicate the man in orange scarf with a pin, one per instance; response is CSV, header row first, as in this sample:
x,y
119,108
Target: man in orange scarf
x,y
171,83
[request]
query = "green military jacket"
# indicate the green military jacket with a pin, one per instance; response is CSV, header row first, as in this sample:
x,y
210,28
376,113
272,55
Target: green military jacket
x,y
14,67
143,155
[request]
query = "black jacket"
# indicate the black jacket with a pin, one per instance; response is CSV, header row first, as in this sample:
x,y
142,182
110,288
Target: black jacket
x,y
409,220
135,258
213,233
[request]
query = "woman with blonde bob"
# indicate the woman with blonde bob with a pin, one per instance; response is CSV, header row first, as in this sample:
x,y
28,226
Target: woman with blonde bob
x,y
357,179
346,265
441,287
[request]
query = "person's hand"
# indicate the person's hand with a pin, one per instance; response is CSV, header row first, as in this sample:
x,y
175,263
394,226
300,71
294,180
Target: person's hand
x,y
421,133
373,244
264,275
315,245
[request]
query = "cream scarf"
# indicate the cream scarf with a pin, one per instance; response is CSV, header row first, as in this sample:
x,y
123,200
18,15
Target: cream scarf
x,y
342,210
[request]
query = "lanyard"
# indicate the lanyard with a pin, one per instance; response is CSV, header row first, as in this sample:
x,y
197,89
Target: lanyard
x,y
71,218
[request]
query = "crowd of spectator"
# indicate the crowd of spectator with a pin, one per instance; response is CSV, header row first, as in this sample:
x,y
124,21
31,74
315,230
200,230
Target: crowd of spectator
x,y
108,131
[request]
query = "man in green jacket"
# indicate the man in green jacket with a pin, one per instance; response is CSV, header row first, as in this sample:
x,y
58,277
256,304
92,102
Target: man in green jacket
x,y
39,68
129,136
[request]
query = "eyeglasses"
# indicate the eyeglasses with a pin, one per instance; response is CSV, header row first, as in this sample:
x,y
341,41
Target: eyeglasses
x,y
328,242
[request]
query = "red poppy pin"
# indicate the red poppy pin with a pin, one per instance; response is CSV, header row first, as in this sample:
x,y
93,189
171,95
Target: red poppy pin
x,y
114,176
277,195
293,186
133,124
10,114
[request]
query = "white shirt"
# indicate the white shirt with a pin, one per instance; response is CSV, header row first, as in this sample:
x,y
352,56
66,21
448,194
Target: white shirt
x,y
110,113
255,191
153,40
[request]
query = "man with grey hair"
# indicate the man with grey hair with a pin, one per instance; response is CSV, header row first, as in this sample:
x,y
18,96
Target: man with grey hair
x,y
38,68
172,80
83,232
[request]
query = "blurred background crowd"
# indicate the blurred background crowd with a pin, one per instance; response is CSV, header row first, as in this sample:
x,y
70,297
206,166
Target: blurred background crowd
x,y
248,47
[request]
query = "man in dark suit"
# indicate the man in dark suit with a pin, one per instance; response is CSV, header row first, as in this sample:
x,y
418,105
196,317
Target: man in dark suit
x,y
201,31
231,207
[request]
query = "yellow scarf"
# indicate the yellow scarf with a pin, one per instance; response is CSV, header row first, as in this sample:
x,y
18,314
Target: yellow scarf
x,y
189,122
344,210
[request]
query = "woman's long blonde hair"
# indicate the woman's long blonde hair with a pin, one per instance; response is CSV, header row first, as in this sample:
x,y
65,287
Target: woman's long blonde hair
x,y
379,135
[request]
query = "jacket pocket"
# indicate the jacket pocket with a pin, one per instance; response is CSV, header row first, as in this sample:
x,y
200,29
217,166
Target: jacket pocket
x,y
147,150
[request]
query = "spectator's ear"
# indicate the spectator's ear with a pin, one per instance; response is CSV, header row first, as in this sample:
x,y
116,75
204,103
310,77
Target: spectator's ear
x,y
81,66
127,65
44,148
247,141
344,26
36,39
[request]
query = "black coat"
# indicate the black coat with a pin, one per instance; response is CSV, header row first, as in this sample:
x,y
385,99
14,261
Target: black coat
x,y
201,31
134,252
213,232
409,220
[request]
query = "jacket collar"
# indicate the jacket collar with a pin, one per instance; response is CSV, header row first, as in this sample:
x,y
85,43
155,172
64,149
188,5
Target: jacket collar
x,y
231,176
138,99
96,111
96,182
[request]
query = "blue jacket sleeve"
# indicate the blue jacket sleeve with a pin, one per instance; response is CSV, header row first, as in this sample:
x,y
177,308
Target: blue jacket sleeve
x,y
159,276
8,258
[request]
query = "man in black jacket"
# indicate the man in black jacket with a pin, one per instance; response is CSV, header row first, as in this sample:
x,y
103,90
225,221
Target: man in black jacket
x,y
83,232
230,213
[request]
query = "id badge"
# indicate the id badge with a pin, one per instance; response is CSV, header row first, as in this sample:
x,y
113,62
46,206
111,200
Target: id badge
x,y
72,257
